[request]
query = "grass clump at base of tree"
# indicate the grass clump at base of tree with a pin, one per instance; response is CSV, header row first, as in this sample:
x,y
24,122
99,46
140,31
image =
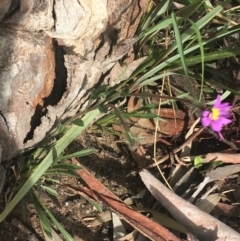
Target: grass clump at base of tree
x,y
188,42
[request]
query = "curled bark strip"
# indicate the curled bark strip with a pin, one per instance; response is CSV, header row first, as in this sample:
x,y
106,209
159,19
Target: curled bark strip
x,y
143,224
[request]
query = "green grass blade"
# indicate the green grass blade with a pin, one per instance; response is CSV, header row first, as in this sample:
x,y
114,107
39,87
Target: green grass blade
x,y
158,56
198,34
139,115
51,157
69,173
79,154
46,226
188,10
50,190
165,64
67,166
150,81
218,54
180,48
160,9
156,28
66,235
95,204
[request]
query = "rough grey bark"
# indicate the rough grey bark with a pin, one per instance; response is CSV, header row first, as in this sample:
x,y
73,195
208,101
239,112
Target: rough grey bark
x,y
51,59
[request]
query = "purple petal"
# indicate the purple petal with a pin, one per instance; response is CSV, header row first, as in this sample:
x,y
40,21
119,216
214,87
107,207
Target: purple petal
x,y
217,102
206,113
216,125
206,121
225,121
223,116
225,105
225,113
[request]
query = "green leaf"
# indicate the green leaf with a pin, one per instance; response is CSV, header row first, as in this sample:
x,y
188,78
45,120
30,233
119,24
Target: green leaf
x,y
223,96
139,115
50,190
103,108
107,119
198,161
46,226
79,153
69,173
159,56
187,11
95,204
78,122
211,56
125,92
66,235
157,12
180,50
110,93
208,90
61,128
99,92
67,166
51,180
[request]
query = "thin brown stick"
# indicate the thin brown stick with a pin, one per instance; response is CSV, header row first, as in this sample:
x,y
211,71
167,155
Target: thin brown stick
x,y
231,144
190,139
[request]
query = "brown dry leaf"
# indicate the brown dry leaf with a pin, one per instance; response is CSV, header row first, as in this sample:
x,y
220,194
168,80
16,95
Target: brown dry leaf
x,y
103,217
224,157
226,210
76,238
175,121
139,156
143,224
199,223
143,128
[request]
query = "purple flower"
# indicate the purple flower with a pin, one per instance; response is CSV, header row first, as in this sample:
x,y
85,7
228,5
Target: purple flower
x,y
218,117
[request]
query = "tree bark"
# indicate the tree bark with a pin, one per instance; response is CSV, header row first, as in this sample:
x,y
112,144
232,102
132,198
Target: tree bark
x,y
53,56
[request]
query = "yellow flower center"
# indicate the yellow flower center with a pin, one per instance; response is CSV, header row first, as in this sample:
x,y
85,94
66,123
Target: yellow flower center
x,y
215,114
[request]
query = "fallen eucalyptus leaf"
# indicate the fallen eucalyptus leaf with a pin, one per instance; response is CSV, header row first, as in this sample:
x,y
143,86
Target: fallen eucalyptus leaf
x,y
199,223
103,217
216,174
209,203
163,219
118,228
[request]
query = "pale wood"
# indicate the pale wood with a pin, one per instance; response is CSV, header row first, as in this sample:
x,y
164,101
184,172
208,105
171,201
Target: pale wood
x,y
49,65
